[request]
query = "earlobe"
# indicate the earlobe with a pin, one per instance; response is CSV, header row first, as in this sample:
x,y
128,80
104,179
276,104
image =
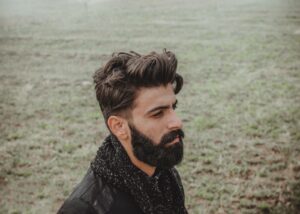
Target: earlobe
x,y
118,126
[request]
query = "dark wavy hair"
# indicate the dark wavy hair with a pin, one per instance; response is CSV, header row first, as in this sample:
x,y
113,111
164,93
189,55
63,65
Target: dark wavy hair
x,y
117,82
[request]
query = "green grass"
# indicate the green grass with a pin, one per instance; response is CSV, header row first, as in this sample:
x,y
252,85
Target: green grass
x,y
240,102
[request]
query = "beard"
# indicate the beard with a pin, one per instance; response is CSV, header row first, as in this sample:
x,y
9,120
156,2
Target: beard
x,y
160,155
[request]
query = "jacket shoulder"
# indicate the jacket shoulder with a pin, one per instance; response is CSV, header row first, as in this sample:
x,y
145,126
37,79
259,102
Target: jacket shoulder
x,y
91,196
76,206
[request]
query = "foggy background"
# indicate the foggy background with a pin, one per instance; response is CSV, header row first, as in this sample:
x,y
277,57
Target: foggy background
x,y
240,102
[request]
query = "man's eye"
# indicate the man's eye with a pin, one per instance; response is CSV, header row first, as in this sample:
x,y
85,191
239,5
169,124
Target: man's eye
x,y
158,114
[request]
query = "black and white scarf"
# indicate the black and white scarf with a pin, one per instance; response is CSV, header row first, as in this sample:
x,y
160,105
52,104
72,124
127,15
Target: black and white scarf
x,y
159,194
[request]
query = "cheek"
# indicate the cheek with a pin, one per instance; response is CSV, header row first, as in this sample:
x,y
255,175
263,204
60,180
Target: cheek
x,y
152,129
155,133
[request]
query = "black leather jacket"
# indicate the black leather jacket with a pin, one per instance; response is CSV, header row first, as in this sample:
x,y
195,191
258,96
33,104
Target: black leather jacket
x,y
93,196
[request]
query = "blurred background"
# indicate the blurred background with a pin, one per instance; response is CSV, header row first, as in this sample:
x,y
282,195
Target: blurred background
x,y
240,103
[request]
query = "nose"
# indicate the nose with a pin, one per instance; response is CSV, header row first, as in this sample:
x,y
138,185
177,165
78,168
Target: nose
x,y
175,122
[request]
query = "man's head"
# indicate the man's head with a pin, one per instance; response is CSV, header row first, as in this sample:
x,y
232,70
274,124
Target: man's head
x,y
137,97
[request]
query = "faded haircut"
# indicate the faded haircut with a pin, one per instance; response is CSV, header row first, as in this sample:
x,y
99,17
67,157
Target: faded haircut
x,y
118,81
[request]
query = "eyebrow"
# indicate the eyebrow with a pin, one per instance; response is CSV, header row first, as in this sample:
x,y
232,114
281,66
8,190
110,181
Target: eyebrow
x,y
161,107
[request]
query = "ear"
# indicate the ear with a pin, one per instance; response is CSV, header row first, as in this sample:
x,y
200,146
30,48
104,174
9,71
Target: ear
x,y
119,127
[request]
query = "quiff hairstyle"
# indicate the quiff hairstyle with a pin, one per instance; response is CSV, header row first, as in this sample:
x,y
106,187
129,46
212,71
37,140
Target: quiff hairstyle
x,y
118,81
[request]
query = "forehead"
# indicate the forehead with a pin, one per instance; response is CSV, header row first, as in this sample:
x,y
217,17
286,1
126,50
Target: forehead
x,y
149,98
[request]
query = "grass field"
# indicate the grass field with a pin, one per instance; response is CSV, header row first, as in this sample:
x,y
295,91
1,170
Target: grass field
x,y
240,103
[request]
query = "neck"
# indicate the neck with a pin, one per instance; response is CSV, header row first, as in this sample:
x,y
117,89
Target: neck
x,y
146,168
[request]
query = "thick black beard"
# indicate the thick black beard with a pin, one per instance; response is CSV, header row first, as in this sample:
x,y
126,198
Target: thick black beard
x,y
158,155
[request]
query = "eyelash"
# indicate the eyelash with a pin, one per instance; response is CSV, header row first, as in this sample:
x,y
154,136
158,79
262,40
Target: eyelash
x,y
174,106
158,114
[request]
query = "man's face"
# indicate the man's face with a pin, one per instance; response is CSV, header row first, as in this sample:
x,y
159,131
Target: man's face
x,y
156,133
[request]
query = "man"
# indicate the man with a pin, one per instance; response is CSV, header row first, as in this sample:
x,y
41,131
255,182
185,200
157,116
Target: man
x,y
133,171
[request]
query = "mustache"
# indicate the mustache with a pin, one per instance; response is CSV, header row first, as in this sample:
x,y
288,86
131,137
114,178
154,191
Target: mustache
x,y
169,137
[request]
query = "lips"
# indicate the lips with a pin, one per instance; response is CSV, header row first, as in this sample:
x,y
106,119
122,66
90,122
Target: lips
x,y
171,138
176,140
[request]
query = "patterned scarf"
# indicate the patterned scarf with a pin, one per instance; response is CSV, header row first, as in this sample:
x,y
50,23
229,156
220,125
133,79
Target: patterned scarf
x,y
159,194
